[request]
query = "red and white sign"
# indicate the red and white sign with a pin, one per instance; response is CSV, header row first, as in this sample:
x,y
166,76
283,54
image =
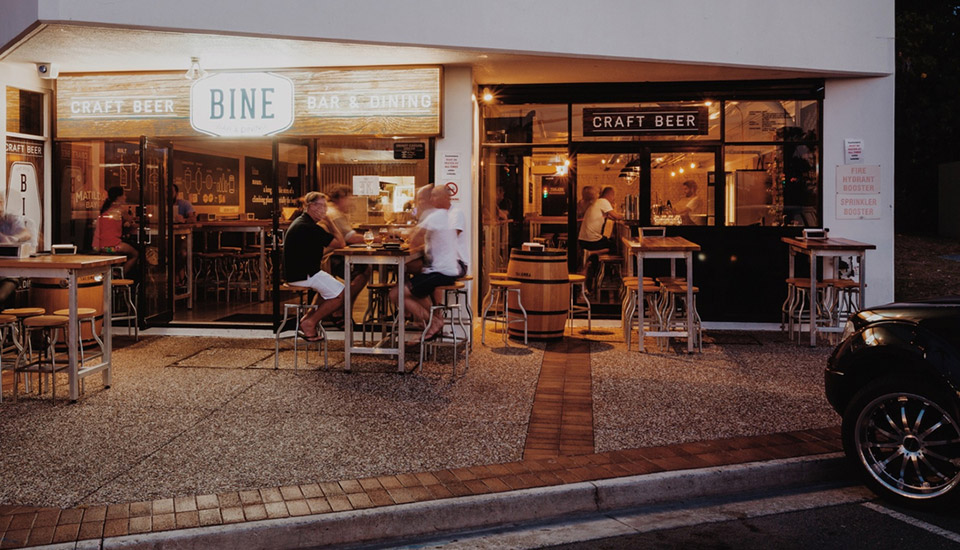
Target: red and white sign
x,y
859,178
853,151
451,173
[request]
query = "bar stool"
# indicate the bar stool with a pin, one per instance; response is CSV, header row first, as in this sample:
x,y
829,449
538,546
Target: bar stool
x,y
8,330
842,299
124,292
674,310
380,311
609,268
213,273
581,281
450,312
495,276
245,275
89,315
298,310
464,294
46,361
794,308
22,313
498,296
631,318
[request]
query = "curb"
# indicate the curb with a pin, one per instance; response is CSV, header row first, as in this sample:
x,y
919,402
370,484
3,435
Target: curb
x,y
424,519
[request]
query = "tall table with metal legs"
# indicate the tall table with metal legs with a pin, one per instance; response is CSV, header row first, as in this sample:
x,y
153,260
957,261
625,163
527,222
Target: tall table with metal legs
x,y
672,248
71,267
826,248
375,256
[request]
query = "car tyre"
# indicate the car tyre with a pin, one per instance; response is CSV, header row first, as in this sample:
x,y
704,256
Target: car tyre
x,y
904,437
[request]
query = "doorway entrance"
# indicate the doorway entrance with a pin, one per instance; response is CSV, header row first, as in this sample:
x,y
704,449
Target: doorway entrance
x,y
644,186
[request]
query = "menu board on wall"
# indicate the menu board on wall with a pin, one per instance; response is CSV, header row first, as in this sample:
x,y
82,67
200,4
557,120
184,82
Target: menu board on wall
x,y
121,163
207,180
259,188
23,197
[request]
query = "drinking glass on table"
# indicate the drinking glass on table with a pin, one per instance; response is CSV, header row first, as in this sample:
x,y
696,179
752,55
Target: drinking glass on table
x,y
384,233
368,238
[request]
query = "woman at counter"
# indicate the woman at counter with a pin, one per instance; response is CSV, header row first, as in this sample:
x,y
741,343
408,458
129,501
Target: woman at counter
x,y
109,228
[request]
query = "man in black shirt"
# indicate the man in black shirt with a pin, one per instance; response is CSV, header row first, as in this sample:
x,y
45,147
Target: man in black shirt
x,y
302,254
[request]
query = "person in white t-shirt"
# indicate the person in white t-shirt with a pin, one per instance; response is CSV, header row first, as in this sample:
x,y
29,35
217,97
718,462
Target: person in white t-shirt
x,y
691,206
598,216
459,222
440,262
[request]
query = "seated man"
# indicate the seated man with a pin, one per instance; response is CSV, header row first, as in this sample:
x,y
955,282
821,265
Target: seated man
x,y
440,262
598,218
302,254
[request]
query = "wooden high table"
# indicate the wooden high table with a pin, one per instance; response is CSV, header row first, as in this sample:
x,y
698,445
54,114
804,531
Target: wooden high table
x,y
375,256
673,248
71,267
826,248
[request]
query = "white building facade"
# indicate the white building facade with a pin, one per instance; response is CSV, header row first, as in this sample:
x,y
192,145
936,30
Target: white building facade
x,y
775,103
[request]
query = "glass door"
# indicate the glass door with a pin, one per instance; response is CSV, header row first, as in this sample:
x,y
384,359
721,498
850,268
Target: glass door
x,y
294,175
682,187
155,233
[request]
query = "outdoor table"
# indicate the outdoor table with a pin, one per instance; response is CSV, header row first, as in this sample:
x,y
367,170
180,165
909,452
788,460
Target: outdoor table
x,y
378,255
259,227
673,248
71,267
826,248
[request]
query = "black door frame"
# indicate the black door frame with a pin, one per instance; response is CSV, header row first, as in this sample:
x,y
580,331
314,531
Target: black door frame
x,y
165,247
307,182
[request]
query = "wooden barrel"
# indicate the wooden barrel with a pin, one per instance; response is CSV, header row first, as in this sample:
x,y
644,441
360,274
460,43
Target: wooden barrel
x,y
54,294
544,292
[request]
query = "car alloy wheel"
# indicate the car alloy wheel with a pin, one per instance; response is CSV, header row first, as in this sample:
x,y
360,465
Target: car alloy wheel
x,y
909,445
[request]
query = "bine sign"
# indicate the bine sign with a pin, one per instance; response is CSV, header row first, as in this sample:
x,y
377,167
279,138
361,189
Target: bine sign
x,y
393,101
241,104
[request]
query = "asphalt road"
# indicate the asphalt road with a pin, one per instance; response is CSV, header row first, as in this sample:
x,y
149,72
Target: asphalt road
x,y
861,525
823,518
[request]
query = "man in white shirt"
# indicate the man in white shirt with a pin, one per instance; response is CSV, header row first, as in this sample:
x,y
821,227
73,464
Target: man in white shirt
x,y
692,206
598,216
440,262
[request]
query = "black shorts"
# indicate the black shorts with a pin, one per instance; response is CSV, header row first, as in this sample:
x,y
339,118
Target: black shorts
x,y
596,245
423,284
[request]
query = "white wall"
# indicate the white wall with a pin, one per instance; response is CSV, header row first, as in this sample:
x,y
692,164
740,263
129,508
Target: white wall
x,y
851,36
458,138
862,109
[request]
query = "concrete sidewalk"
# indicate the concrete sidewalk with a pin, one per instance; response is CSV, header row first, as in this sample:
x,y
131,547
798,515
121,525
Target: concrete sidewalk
x,y
198,434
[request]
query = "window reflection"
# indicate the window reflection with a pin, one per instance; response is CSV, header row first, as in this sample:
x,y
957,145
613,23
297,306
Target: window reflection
x,y
773,185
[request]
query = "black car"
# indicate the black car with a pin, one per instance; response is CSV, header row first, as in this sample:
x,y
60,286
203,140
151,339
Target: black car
x,y
895,379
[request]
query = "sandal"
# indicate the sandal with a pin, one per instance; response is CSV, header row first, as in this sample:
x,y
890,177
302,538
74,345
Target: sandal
x,y
310,338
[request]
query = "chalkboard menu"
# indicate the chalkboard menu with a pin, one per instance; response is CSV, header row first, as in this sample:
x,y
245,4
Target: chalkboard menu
x,y
259,188
122,168
207,180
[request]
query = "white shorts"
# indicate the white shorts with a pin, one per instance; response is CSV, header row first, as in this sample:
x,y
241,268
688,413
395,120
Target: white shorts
x,y
324,283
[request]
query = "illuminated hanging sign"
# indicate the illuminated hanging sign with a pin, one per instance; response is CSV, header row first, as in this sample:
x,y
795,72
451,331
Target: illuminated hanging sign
x,y
323,102
633,121
241,104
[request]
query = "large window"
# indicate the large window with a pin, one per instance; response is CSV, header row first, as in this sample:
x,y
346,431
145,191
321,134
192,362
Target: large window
x,y
773,178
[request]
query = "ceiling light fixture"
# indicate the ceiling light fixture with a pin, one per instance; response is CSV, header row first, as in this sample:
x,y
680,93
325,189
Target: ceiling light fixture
x,y
195,72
